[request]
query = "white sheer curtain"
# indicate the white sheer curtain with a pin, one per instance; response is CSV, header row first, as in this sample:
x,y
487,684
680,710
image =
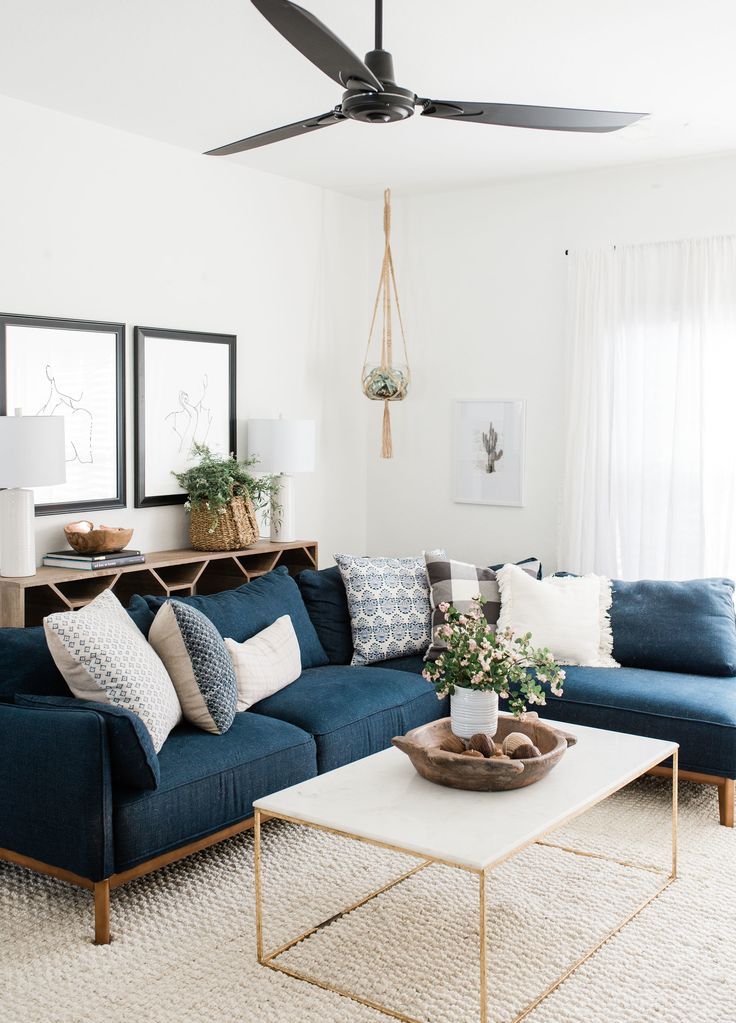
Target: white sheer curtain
x,y
650,476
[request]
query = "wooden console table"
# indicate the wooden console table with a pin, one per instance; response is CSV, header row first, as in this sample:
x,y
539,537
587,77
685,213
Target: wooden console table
x,y
26,600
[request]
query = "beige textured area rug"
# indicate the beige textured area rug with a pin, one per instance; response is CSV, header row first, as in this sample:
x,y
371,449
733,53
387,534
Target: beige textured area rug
x,y
184,944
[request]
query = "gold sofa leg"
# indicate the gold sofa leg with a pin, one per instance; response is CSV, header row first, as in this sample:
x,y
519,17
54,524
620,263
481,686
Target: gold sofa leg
x,y
725,802
102,912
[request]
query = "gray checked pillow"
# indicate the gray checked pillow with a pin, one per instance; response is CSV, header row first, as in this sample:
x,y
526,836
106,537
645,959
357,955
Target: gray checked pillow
x,y
457,583
104,656
199,664
388,601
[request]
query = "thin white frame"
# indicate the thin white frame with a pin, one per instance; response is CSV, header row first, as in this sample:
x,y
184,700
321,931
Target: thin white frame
x,y
521,402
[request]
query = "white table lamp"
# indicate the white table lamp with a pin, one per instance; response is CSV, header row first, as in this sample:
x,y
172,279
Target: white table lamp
x,y
31,455
283,447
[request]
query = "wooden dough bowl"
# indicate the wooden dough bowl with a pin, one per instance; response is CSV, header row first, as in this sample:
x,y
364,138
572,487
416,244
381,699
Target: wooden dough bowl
x,y
422,744
85,539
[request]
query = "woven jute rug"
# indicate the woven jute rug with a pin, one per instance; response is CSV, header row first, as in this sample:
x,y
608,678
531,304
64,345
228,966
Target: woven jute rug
x,y
184,944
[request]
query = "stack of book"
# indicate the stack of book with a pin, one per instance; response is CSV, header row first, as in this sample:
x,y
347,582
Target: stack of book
x,y
92,562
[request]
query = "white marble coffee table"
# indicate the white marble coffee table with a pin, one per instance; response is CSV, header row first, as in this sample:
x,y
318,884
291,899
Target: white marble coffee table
x,y
381,800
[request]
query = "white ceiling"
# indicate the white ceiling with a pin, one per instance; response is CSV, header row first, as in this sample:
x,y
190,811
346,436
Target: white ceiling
x,y
201,73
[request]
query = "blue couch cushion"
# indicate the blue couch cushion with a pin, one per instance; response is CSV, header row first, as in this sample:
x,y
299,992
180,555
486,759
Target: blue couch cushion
x,y
697,711
133,760
327,603
414,662
687,627
353,712
27,665
209,782
241,613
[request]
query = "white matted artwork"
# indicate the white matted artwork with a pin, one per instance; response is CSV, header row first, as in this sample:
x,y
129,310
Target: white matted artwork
x,y
488,452
185,396
73,369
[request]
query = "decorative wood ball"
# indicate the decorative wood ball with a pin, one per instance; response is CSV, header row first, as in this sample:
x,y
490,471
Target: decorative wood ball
x,y
453,744
483,743
513,740
472,753
525,752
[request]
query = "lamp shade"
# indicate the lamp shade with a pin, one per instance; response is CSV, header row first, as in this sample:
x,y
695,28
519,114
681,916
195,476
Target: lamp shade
x,y
31,451
282,445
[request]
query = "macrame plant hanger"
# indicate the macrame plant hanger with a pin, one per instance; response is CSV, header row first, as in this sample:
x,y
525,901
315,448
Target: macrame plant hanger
x,y
386,381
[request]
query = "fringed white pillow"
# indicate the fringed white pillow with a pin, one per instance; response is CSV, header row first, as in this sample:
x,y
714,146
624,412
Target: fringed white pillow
x,y
569,615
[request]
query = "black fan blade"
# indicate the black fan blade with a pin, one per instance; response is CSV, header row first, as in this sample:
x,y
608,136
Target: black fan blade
x,y
519,116
279,134
318,44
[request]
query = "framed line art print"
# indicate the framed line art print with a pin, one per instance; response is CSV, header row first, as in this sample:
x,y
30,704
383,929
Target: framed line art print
x,y
74,369
488,452
184,396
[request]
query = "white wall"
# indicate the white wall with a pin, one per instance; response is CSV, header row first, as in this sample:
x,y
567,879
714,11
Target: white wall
x,y
100,224
482,277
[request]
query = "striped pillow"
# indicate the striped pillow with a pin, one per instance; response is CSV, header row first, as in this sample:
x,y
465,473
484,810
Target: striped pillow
x,y
457,583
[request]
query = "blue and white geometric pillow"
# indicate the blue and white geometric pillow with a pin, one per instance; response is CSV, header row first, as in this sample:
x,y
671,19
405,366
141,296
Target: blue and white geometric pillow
x,y
388,600
200,667
104,656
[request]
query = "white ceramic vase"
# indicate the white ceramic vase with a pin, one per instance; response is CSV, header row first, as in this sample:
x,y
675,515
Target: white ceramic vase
x,y
473,711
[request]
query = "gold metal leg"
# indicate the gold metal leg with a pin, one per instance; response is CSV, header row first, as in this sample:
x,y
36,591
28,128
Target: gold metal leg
x,y
675,757
483,950
259,886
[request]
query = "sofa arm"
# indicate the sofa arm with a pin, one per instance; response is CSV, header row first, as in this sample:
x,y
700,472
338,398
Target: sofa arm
x,y
55,788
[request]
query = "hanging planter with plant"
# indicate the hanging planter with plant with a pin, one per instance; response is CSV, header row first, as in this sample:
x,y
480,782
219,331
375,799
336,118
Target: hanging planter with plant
x,y
381,378
222,498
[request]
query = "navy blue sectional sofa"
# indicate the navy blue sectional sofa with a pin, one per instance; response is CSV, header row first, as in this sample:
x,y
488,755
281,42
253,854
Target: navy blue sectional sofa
x,y
65,810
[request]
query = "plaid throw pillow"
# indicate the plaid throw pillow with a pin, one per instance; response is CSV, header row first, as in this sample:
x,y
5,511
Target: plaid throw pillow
x,y
457,583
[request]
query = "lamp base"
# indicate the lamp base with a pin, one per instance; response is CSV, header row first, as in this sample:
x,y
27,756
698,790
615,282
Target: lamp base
x,y
282,521
17,533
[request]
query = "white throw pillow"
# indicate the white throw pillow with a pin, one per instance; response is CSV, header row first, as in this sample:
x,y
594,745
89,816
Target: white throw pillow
x,y
104,656
266,663
569,615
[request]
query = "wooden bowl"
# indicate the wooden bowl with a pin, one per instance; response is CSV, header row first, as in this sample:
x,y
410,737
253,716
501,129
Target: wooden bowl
x,y
422,744
85,539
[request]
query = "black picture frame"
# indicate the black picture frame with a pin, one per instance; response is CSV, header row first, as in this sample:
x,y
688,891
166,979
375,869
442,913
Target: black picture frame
x,y
140,336
118,499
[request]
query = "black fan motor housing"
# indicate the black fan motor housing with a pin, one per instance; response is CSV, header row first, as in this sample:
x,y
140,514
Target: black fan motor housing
x,y
393,103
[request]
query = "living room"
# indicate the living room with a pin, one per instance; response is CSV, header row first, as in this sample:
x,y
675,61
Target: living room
x,y
568,303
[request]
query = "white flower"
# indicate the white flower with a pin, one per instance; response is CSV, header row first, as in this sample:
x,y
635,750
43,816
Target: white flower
x,y
444,607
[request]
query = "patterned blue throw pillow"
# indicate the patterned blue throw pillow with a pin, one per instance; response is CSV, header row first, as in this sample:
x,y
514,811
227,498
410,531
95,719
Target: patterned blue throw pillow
x,y
388,599
196,658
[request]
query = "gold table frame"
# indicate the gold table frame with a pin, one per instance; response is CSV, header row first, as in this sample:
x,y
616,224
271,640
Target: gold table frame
x,y
269,958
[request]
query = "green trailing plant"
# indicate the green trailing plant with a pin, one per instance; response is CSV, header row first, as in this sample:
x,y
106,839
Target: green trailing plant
x,y
215,480
477,657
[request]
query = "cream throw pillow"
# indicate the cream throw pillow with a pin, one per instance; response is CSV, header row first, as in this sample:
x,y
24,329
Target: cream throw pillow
x,y
266,663
569,615
104,656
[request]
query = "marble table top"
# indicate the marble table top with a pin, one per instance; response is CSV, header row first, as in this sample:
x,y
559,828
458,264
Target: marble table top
x,y
381,798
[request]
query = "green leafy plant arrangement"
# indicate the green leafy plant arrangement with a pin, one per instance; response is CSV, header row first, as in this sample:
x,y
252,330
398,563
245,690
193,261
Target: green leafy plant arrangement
x,y
215,480
477,657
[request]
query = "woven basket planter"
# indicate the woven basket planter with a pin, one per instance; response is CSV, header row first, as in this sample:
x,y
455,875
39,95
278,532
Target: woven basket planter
x,y
232,530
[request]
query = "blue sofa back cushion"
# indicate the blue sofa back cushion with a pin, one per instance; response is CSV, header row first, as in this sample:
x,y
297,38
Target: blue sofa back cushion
x,y
686,627
326,601
27,665
242,613
133,760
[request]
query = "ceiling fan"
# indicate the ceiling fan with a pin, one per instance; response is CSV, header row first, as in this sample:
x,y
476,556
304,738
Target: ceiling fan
x,y
372,95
